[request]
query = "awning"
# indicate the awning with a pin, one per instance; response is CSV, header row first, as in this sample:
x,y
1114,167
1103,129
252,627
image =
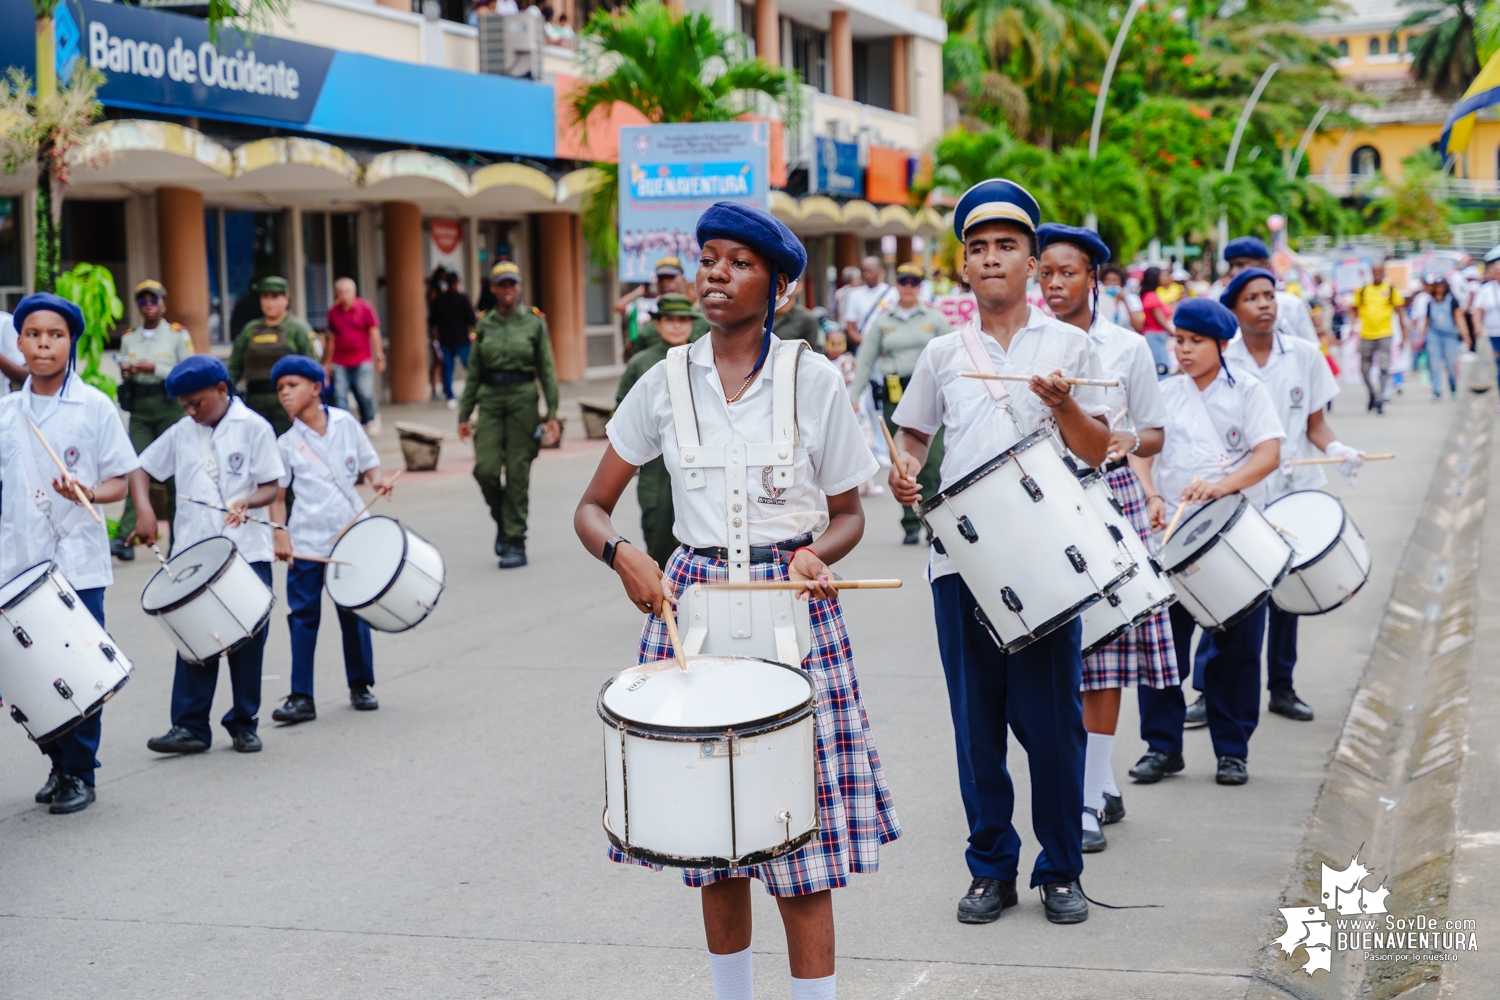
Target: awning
x,y
819,216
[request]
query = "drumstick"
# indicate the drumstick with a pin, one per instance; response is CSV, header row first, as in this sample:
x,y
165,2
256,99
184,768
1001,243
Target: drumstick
x,y
788,585
67,476
1177,516
890,444
321,559
1280,529
385,489
163,560
670,617
214,506
1108,383
1325,460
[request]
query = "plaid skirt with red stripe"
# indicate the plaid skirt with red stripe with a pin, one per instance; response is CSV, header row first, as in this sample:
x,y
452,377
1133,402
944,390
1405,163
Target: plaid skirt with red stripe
x,y
855,813
1145,655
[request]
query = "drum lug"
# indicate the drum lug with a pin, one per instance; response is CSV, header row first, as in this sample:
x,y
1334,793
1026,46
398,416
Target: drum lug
x,y
18,715
1155,566
63,689
1032,489
984,619
1114,600
1076,558
966,528
108,651
1010,600
1114,533
1119,507
21,637
67,598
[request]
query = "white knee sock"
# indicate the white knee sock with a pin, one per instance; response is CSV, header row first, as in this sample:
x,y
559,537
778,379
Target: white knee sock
x,y
734,976
1106,749
1095,767
814,989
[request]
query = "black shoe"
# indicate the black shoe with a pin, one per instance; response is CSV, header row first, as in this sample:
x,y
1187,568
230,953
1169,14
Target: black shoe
x,y
1065,903
1196,715
1288,704
1155,765
296,708
362,700
1370,404
985,899
1232,771
247,742
513,556
121,551
500,545
1093,841
1114,809
45,793
73,795
177,740
913,537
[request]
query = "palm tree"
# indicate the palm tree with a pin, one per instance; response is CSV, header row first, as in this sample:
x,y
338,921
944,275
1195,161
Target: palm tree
x,y
964,158
1110,187
1444,57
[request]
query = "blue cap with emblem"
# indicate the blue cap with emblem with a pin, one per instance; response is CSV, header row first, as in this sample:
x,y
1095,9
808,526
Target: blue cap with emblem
x,y
1206,318
1237,285
995,200
1084,239
47,302
297,364
767,236
199,371
1246,247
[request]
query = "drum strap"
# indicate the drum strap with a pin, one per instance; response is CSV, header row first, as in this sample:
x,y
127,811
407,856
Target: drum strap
x,y
211,463
985,365
36,483
316,449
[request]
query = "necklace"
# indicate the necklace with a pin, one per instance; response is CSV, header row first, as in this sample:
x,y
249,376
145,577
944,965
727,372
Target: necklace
x,y
744,385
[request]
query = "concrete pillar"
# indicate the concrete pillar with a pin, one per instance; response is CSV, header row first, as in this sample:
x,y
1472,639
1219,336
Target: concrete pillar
x,y
560,273
903,250
184,260
841,46
845,250
405,303
768,31
900,89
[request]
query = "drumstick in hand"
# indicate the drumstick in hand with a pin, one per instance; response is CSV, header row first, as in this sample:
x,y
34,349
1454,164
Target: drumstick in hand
x,y
890,444
805,584
214,506
1108,383
1325,460
67,476
670,617
1181,506
385,490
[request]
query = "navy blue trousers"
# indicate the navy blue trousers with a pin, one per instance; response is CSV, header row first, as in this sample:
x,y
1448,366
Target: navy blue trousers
x,y
1281,651
1230,663
193,684
304,596
74,750
1034,692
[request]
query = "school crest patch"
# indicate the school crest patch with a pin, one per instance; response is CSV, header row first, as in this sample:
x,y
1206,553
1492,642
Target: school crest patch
x,y
349,464
1235,438
70,457
1297,395
773,493
236,462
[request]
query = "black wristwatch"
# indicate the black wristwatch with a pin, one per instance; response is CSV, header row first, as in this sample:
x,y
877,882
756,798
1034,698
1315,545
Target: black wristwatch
x,y
609,550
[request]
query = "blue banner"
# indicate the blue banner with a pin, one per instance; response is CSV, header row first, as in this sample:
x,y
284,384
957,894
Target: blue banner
x,y
838,171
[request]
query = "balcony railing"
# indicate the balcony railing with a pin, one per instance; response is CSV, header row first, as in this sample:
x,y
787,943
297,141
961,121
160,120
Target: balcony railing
x,y
1375,186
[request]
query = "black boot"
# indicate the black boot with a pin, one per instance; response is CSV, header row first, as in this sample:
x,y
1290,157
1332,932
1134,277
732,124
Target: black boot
x,y
513,556
73,795
45,793
361,698
1288,704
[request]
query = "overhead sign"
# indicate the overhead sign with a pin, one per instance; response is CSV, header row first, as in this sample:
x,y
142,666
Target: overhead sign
x,y
838,171
670,173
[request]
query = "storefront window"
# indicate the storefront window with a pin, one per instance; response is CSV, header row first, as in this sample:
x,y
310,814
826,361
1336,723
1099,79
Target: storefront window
x,y
330,251
93,232
601,335
243,247
11,289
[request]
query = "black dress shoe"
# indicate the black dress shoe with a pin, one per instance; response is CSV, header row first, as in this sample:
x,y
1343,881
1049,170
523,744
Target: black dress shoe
x,y
1232,771
1288,704
1093,841
296,708
1196,715
1114,809
500,545
1064,903
913,537
45,793
73,795
247,742
176,740
1155,765
121,551
985,899
362,700
512,557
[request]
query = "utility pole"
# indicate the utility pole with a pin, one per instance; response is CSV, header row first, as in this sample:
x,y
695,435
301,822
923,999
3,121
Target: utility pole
x,y
1092,222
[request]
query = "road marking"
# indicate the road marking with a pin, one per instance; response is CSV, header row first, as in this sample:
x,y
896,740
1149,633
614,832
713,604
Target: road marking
x,y
907,989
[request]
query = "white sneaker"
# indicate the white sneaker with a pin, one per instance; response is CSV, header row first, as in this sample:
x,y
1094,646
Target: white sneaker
x,y
452,404
373,427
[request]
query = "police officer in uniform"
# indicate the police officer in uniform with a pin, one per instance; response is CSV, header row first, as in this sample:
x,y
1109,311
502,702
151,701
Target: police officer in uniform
x,y
669,281
147,355
264,342
896,337
511,353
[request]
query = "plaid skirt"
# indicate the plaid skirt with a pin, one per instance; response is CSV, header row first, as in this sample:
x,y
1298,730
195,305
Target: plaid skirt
x,y
855,813
1145,655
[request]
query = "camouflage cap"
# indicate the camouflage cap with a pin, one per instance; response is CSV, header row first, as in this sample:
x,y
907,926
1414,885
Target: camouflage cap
x,y
273,286
673,304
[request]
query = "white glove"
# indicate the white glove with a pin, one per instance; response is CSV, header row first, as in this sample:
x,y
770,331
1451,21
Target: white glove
x,y
1353,458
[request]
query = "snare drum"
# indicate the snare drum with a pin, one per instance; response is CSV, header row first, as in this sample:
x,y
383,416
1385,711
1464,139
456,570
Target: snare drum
x,y
58,666
1140,597
209,599
716,768
394,577
1027,541
1330,560
1224,560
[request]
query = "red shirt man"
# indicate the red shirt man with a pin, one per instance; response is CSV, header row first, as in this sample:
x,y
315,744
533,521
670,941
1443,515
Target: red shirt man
x,y
354,331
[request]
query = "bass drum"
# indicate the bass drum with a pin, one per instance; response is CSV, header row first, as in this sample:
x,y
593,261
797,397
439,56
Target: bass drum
x,y
208,599
1224,560
1330,560
394,576
1140,597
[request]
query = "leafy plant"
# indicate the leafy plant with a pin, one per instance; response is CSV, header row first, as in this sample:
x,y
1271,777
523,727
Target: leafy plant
x,y
92,287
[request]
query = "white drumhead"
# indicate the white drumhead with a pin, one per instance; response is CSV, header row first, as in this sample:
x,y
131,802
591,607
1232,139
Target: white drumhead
x,y
18,584
374,548
717,691
1315,519
191,569
1198,529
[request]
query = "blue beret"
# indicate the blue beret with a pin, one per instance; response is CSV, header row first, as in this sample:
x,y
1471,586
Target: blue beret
x,y
200,371
297,364
1246,246
1084,239
47,302
1237,285
760,231
994,200
1206,318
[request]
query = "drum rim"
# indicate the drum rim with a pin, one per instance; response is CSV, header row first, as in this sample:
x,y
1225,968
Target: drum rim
x,y
1043,630
405,548
1229,522
212,579
1333,607
1133,624
234,646
1337,538
697,734
31,587
702,861
938,499
1243,613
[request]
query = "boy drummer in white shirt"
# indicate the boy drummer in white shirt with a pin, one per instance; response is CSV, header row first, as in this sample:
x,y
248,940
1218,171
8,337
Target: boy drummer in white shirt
x,y
1223,437
325,454
43,518
223,454
1036,689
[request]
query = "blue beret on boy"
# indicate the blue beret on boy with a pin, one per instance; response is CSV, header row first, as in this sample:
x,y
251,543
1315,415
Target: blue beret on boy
x,y
1084,239
47,302
1237,285
760,231
297,364
1246,246
995,200
200,371
1204,317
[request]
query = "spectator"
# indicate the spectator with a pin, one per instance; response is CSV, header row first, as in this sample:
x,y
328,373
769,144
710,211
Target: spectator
x,y
353,353
565,33
1115,303
1378,305
848,281
453,321
1484,305
1157,322
1440,333
864,301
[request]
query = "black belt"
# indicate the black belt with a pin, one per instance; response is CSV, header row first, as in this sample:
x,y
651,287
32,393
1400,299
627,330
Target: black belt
x,y
260,387
508,377
146,390
781,552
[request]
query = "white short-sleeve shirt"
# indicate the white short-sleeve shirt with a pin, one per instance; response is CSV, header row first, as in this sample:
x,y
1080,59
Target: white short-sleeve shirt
x,y
10,346
1294,317
1210,433
84,428
1125,356
863,303
975,429
323,470
1300,383
243,450
831,456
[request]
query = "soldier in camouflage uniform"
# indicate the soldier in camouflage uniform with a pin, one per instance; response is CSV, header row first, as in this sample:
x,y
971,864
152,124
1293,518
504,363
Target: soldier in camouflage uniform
x,y
264,342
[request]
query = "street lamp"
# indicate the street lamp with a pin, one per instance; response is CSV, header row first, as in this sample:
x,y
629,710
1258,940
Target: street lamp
x,y
1234,148
1092,222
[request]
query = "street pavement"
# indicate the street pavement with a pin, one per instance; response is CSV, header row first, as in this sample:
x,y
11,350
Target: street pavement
x,y
449,845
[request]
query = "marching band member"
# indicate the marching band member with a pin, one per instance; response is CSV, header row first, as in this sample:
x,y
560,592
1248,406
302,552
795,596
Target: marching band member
x,y
722,391
1068,273
43,519
325,454
1223,437
1301,385
221,452
1035,689
1251,251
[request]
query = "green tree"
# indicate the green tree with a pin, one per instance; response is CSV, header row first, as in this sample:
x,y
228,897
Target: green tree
x,y
1409,209
1445,57
93,288
1111,188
